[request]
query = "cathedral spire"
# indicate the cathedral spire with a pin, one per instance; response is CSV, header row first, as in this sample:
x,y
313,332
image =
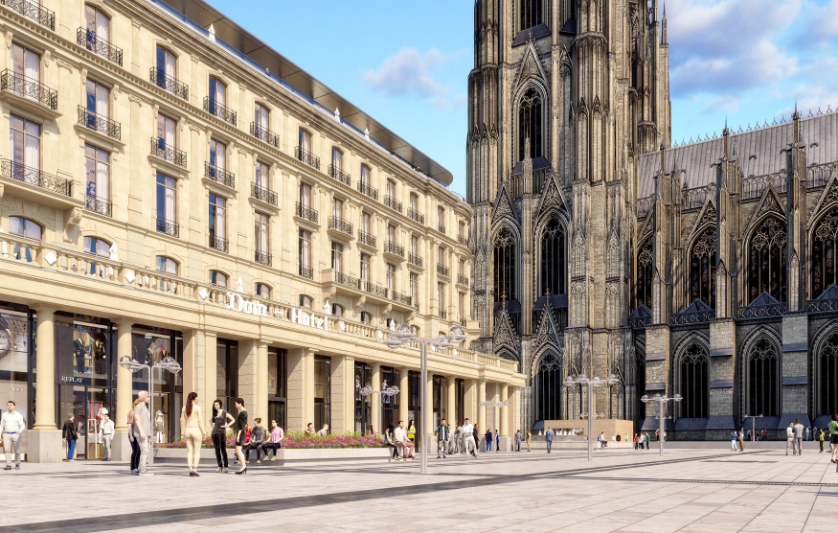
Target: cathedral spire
x,y
663,25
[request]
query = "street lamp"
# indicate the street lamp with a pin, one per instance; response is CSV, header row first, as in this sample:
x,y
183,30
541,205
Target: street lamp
x,y
133,365
662,400
582,380
403,336
389,391
754,434
495,407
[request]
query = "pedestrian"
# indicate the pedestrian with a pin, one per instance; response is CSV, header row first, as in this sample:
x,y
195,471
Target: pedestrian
x,y
469,444
106,433
548,437
529,437
648,444
220,422
277,436
476,434
748,435
790,438
833,437
489,440
309,429
390,442
411,433
192,429
241,433
657,435
142,431
820,439
458,435
403,442
517,440
443,434
132,439
798,436
764,434
497,441
324,431
68,433
12,425
741,441
258,437
734,447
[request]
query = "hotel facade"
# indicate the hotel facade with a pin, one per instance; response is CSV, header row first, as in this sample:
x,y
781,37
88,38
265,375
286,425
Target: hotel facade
x,y
172,187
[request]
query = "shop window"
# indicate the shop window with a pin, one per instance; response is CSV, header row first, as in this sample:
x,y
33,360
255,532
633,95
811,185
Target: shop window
x,y
14,357
337,310
366,318
217,278
263,291
277,385
306,301
322,391
164,264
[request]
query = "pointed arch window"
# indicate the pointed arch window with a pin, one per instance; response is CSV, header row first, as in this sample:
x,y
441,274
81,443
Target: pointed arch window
x,y
824,252
767,270
548,388
703,268
645,272
761,379
694,382
531,13
504,263
529,123
827,372
553,259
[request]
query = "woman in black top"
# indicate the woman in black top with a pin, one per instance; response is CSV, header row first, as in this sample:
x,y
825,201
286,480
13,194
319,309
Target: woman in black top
x,y
220,419
241,431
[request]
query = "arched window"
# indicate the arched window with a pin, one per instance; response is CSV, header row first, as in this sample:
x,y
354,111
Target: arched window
x,y
366,318
24,227
553,259
263,291
504,257
164,264
529,123
548,388
828,376
761,379
823,252
694,382
218,278
645,272
703,268
531,13
767,261
337,310
306,301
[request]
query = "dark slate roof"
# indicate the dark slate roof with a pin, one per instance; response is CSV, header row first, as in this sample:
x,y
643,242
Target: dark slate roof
x,y
822,422
722,422
765,299
691,424
788,419
831,293
767,422
650,424
537,164
758,152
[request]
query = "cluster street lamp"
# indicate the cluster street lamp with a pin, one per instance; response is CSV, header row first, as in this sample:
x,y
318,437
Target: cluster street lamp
x,y
582,380
662,401
403,336
754,433
134,366
495,407
389,391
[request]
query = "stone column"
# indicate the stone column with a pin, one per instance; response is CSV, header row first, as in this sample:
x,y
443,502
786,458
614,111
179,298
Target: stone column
x,y
404,395
505,411
452,403
120,447
45,444
340,393
209,354
295,403
309,387
349,383
469,400
376,398
481,410
429,414
194,371
260,408
247,378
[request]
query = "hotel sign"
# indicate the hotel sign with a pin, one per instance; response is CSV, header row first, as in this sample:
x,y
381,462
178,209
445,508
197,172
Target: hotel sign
x,y
297,316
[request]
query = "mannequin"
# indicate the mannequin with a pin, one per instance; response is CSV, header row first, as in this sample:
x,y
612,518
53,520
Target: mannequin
x,y
158,423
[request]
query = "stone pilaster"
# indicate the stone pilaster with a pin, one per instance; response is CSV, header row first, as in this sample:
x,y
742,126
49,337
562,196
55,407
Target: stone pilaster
x,y
261,403
376,398
658,361
299,414
403,400
248,365
481,410
121,448
45,445
722,366
451,415
795,385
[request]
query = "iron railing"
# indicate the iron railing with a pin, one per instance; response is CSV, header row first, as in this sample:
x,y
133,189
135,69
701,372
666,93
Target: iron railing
x,y
169,153
464,322
415,215
220,175
392,203
264,134
341,225
304,211
414,259
391,247
754,187
169,83
441,228
33,176
167,227
442,314
373,288
98,45
443,270
29,88
365,189
221,111
400,297
462,280
695,198
818,175
307,157
97,205
99,123
32,10
340,175
462,239
366,238
218,243
346,279
306,272
263,193
262,258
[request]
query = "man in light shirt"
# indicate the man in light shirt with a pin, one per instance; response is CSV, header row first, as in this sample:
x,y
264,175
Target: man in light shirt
x,y
106,431
402,442
12,425
468,438
790,438
797,429
142,431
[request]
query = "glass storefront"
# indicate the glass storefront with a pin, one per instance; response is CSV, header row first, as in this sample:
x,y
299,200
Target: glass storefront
x,y
440,400
15,330
277,385
390,404
227,374
322,391
149,346
414,406
363,405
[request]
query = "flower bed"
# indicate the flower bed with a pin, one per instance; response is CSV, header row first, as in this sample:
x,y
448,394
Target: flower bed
x,y
302,441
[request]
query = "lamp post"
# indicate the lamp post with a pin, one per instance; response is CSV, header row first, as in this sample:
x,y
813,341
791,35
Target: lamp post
x,y
754,433
403,336
582,380
133,365
389,391
662,400
495,407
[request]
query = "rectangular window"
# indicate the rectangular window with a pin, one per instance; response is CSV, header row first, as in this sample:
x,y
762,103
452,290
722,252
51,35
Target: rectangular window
x,y
365,175
441,258
217,92
217,217
337,208
391,233
305,249
217,153
365,267
461,305
365,222
414,245
262,230
260,117
414,202
391,189
97,168
414,286
391,276
26,143
337,256
462,267
440,295
305,195
97,98
305,140
261,178
462,229
440,216
96,23
165,132
166,199
337,159
165,63
25,64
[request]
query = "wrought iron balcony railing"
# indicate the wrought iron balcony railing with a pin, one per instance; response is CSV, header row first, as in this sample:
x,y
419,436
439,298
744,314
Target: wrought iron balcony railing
x,y
263,193
365,189
373,288
169,153
33,176
366,238
169,83
307,157
464,322
391,247
220,175
28,88
340,175
304,211
391,202
462,239
97,205
32,10
219,110
341,225
442,270
98,45
306,272
442,314
441,228
414,259
262,258
264,134
402,298
218,243
99,123
415,215
462,280
346,279
167,227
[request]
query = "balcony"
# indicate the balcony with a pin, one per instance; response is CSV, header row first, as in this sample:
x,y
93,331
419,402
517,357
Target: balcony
x,y
169,83
391,202
219,175
402,298
366,238
29,93
341,226
307,157
99,123
306,272
441,228
366,190
218,109
442,314
262,258
265,135
340,175
415,215
167,227
98,205
264,194
32,176
97,45
376,289
168,153
307,213
443,270
462,239
415,260
462,280
218,243
394,250
32,10
464,322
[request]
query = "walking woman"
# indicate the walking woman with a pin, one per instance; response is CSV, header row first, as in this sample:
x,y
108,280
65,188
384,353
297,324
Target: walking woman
x,y
220,423
192,429
135,446
529,437
241,432
833,436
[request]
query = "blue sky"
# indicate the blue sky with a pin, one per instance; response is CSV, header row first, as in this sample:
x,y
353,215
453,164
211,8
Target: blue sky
x,y
407,64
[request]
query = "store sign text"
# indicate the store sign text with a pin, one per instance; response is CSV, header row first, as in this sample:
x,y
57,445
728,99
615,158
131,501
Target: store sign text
x,y
305,319
240,305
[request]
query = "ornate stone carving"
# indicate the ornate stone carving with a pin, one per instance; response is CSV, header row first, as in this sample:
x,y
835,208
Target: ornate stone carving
x,y
73,219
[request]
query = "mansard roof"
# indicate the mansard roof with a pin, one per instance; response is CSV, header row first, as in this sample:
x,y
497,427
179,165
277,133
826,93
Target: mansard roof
x,y
758,152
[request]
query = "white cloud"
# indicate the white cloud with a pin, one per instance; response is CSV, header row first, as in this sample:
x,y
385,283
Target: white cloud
x,y
409,73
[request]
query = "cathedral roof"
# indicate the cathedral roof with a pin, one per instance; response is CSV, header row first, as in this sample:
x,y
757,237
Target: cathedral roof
x,y
758,152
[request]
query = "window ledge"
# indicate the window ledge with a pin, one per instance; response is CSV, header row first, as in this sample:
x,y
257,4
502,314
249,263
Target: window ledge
x,y
100,139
